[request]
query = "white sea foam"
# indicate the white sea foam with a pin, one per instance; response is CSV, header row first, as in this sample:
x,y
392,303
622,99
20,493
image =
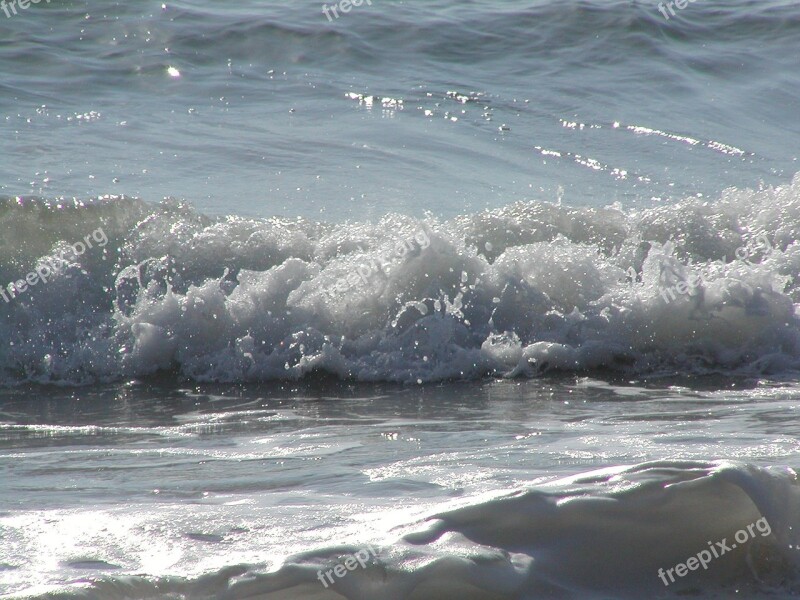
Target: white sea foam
x,y
515,291
599,534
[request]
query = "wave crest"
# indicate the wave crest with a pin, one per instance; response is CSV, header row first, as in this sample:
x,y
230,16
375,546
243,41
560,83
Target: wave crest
x,y
514,291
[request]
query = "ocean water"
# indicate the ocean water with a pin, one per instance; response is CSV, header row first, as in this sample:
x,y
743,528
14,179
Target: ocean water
x,y
425,300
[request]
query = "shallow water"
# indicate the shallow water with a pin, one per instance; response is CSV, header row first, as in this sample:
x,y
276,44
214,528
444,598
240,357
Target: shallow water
x,y
153,481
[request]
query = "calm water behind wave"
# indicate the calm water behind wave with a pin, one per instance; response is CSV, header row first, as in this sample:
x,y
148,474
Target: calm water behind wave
x,y
254,116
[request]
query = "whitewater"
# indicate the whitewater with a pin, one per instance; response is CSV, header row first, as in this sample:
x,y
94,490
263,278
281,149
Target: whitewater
x,y
518,291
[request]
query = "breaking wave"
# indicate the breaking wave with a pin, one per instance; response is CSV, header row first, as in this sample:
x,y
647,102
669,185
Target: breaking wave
x,y
692,286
